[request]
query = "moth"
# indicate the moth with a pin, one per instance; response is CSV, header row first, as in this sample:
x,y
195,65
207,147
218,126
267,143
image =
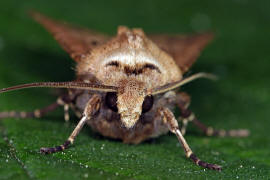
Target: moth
x,y
126,86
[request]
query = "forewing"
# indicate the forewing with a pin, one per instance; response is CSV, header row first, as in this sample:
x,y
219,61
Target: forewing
x,y
76,41
184,49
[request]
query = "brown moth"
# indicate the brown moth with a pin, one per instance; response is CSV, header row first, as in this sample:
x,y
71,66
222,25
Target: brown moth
x,y
126,85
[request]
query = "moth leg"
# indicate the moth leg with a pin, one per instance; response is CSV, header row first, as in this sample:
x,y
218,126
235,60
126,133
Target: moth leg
x,y
34,114
183,101
38,113
75,110
65,103
91,108
172,124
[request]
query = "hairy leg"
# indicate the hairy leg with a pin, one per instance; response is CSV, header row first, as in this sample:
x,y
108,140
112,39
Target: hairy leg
x,y
91,108
183,101
172,124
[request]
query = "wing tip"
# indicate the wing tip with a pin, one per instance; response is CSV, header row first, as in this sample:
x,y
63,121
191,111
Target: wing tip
x,y
40,18
205,37
35,14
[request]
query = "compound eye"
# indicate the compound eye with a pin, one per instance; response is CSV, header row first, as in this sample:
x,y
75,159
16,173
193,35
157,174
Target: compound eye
x,y
147,103
111,101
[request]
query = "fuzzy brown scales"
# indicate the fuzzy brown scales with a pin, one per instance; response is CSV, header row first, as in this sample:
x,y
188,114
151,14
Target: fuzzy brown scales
x,y
184,49
129,100
131,49
125,84
79,41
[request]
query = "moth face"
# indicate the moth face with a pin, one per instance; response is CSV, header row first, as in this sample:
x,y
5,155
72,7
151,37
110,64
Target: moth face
x,y
130,102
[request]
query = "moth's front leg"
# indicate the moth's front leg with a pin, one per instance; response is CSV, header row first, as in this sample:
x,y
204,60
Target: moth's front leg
x,y
172,124
183,102
92,107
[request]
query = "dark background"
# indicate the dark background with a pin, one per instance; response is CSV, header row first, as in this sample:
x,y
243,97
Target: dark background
x,y
239,55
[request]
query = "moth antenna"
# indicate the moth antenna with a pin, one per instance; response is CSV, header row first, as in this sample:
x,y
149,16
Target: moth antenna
x,y
68,85
182,82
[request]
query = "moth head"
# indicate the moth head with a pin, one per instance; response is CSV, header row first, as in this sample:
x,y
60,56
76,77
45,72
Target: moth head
x,y
130,101
130,98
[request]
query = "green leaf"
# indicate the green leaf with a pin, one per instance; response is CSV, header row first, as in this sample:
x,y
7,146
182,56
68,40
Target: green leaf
x,y
240,99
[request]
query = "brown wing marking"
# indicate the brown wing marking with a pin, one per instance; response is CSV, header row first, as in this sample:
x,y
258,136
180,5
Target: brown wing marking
x,y
184,49
76,41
